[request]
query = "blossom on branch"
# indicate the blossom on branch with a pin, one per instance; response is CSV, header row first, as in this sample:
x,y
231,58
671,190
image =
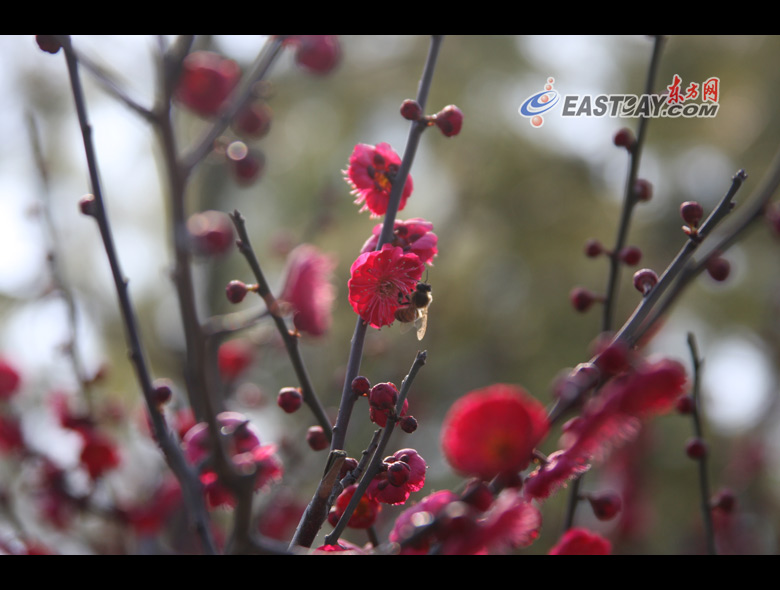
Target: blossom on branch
x,y
371,174
413,235
493,431
379,282
608,420
308,289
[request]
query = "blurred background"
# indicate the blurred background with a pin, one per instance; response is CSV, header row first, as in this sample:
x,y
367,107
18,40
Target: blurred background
x,y
512,205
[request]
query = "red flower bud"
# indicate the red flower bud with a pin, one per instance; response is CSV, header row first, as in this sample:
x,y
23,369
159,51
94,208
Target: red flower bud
x,y
625,138
691,212
289,399
645,280
236,291
630,255
718,268
361,386
643,190
411,110
449,120
316,438
696,448
605,506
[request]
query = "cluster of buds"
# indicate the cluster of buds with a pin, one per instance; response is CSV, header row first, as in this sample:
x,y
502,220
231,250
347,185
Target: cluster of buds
x,y
449,120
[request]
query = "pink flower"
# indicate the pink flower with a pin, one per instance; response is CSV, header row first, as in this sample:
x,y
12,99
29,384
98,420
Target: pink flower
x,y
309,290
379,282
493,430
371,173
581,542
390,489
413,235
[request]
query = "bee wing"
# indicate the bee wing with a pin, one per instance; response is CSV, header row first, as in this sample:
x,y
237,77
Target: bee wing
x,y
422,323
406,326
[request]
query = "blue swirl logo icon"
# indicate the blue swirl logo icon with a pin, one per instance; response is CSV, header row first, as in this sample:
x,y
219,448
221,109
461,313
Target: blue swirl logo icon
x,y
534,106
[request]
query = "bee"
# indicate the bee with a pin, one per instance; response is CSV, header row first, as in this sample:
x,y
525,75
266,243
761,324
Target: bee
x,y
415,308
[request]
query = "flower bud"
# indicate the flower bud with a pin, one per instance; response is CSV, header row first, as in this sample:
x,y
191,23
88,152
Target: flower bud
x,y
408,424
236,291
696,448
718,268
691,212
645,280
383,396
624,138
361,386
643,190
411,110
289,399
605,506
316,438
449,120
630,255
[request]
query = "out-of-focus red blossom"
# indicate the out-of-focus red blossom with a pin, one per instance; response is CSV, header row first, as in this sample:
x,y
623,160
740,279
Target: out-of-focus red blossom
x,y
148,518
608,420
206,81
382,488
211,233
343,547
9,380
99,453
379,279
309,290
413,235
234,357
253,121
11,438
281,517
319,54
371,174
509,522
423,512
493,430
55,504
365,513
244,448
18,546
580,541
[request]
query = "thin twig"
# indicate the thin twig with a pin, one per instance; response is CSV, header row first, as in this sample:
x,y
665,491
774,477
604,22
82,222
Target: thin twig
x,y
379,452
704,485
290,340
309,526
630,200
191,488
259,70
